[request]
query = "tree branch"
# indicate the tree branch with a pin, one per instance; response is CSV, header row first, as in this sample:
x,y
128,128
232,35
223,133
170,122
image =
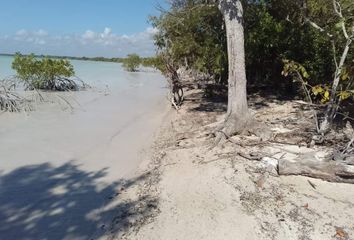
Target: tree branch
x,y
314,25
338,9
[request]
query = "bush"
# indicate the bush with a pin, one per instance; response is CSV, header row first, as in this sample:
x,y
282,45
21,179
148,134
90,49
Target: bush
x,y
46,74
132,63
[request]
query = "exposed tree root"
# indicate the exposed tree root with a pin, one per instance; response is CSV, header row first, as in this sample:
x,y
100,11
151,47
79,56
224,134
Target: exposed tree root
x,y
10,101
60,84
304,161
246,125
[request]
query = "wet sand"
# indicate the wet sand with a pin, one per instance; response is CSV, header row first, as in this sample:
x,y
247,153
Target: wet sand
x,y
60,166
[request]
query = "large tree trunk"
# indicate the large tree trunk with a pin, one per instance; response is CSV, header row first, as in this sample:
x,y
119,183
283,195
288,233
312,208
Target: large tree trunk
x,y
237,110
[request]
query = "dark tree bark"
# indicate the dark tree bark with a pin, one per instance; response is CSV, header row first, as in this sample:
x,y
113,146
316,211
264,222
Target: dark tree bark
x,y
237,111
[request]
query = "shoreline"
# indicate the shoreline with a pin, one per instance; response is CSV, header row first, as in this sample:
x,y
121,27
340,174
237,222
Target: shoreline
x,y
62,167
140,188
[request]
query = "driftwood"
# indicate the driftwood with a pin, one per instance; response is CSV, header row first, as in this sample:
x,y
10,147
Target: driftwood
x,y
334,167
325,169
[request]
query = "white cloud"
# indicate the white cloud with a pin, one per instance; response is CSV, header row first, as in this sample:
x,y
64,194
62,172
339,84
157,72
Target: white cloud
x,y
40,42
107,32
89,35
41,32
89,43
152,30
21,32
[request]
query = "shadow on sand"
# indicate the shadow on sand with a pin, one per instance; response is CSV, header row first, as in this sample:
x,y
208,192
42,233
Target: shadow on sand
x,y
207,104
44,202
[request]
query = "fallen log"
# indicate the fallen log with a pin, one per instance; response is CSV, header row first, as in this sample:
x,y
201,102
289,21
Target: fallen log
x,y
325,169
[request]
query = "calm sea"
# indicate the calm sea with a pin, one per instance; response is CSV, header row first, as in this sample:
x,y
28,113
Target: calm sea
x,y
99,74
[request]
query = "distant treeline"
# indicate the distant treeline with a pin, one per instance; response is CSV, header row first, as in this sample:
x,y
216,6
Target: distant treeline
x,y
98,59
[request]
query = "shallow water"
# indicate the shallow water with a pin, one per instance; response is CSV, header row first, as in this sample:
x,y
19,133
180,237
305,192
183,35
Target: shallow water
x,y
59,166
97,74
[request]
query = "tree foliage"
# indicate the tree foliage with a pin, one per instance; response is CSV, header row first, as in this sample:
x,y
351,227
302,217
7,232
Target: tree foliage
x,y
154,62
192,35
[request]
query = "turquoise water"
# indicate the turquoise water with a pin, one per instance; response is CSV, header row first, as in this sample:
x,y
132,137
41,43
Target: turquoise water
x,y
5,66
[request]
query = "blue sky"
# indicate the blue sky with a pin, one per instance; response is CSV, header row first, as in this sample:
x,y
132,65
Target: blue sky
x,y
77,27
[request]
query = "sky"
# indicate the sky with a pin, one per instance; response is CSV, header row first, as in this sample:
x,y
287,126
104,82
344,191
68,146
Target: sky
x,y
109,28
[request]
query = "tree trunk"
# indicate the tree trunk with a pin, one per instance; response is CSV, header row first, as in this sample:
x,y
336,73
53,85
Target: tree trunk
x,y
237,109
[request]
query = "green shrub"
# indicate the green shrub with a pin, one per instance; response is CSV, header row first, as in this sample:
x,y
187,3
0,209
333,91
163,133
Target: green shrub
x,y
132,63
46,73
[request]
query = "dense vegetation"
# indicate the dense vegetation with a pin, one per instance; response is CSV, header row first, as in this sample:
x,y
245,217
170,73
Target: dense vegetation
x,y
192,35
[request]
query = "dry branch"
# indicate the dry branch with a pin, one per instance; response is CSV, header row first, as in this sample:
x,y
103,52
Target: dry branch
x,y
11,101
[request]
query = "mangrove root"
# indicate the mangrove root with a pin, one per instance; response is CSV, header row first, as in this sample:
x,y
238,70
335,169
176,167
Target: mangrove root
x,y
10,101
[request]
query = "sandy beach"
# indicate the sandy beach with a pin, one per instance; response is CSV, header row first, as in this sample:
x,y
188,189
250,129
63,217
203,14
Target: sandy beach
x,y
120,163
101,169
177,120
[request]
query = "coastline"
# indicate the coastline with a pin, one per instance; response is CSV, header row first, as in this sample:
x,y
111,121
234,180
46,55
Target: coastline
x,y
62,166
